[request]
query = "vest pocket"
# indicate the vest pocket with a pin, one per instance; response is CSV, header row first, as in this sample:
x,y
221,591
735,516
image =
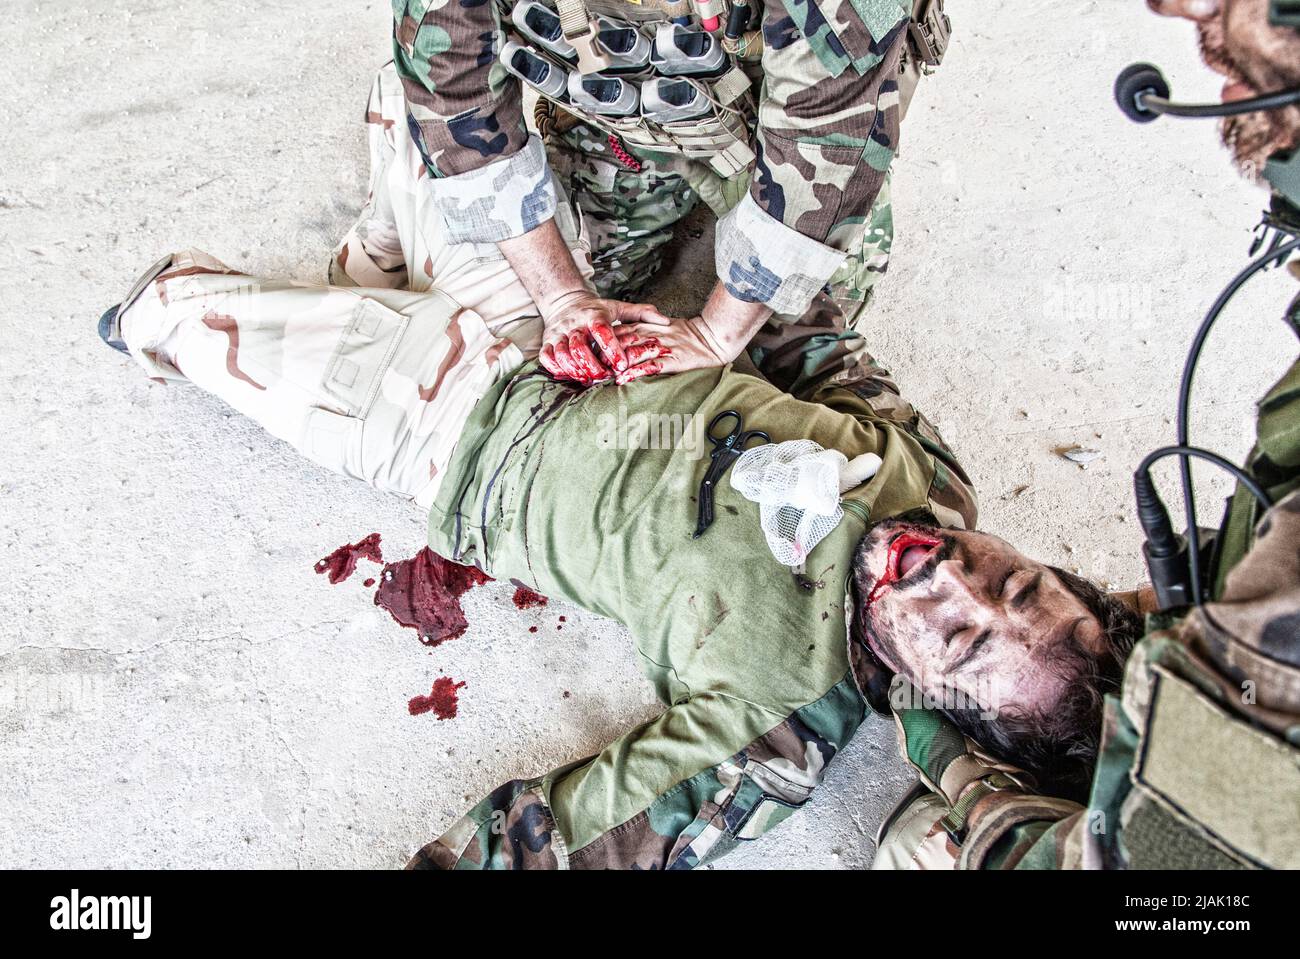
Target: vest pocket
x,y
1244,803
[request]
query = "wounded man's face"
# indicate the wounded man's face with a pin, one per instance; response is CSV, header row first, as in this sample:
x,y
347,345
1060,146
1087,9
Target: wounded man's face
x,y
963,612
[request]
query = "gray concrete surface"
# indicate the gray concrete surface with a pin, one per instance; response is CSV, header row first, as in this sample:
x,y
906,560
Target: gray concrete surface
x,y
178,688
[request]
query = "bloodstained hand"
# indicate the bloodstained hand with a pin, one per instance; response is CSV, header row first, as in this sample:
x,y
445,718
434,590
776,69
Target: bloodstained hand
x,y
579,341
643,354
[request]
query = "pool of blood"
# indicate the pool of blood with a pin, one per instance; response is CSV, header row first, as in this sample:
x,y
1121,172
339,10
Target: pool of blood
x,y
423,593
342,563
442,700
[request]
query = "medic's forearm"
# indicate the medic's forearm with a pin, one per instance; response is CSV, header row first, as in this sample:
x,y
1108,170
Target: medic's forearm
x,y
730,323
544,264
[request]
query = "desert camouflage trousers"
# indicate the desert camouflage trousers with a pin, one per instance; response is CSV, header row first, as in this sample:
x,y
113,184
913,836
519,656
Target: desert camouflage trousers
x,y
630,217
374,376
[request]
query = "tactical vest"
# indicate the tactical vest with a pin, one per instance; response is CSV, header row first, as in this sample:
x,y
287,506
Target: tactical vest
x,y
669,76
1209,717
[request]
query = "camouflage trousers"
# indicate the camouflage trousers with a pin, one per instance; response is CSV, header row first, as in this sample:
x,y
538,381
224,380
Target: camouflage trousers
x,y
370,383
630,218
374,376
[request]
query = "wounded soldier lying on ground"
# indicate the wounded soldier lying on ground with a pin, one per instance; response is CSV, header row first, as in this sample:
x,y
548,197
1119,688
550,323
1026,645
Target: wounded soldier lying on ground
x,y
430,393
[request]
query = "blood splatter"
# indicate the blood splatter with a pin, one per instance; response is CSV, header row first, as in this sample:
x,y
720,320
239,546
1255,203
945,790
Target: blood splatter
x,y
371,582
342,563
526,598
442,700
532,629
424,592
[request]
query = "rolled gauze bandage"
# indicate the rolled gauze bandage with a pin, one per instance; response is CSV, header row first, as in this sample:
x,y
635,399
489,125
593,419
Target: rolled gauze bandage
x,y
797,485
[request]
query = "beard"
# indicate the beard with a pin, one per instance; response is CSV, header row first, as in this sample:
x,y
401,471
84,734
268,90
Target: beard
x,y
1252,138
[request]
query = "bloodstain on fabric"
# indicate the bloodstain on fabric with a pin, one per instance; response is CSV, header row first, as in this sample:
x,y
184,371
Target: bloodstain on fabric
x,y
424,593
532,629
526,598
442,700
226,324
342,563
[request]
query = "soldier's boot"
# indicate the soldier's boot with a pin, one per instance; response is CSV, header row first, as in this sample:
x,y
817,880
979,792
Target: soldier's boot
x,y
110,324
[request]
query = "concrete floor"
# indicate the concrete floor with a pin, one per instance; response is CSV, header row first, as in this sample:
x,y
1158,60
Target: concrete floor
x,y
178,688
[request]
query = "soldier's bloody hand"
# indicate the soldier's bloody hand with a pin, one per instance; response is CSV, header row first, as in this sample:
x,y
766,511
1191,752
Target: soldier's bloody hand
x,y
580,341
679,345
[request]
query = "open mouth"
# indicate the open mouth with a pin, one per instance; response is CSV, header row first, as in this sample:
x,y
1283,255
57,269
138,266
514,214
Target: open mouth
x,y
907,551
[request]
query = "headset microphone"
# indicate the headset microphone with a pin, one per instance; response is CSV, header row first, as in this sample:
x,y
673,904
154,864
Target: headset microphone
x,y
1142,93
1174,561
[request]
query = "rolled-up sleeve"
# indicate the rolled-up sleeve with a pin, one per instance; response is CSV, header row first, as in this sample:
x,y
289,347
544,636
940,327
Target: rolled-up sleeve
x,y
504,199
465,113
827,133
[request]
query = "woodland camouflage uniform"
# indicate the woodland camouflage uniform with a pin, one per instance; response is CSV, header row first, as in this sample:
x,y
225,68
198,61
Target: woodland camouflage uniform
x,y
762,681
806,231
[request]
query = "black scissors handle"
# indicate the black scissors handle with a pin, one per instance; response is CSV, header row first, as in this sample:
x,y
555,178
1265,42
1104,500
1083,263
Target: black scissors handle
x,y
729,437
727,448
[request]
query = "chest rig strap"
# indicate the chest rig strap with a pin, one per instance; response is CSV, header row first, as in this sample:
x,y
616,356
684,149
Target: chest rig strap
x,y
580,29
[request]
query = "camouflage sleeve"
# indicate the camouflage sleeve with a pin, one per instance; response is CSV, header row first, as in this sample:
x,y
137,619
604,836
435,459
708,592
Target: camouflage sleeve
x,y
827,131
977,801
1016,830
670,794
870,395
491,179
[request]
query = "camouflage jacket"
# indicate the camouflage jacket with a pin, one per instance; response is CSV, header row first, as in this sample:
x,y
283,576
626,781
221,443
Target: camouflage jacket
x,y
1198,765
827,130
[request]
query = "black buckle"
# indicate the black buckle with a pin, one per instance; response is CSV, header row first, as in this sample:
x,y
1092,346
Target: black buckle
x,y
1279,224
928,32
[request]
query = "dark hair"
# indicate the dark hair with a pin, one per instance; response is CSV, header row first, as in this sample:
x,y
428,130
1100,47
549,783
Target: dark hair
x,y
1060,748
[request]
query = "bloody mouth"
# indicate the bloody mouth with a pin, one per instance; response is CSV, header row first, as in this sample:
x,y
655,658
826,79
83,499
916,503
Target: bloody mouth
x,y
907,550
